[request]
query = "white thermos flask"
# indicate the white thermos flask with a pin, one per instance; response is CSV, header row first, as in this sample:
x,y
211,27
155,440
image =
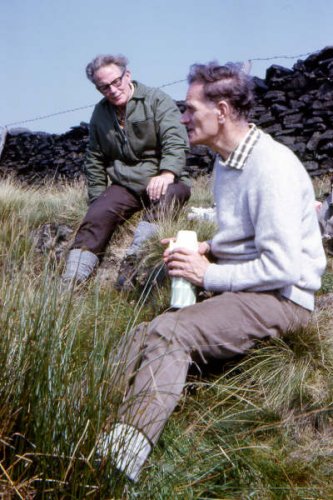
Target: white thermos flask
x,y
183,293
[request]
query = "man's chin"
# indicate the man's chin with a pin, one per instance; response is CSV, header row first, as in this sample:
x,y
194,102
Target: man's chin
x,y
193,139
118,102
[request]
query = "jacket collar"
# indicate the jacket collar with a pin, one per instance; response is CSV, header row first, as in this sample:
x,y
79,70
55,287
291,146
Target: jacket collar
x,y
140,90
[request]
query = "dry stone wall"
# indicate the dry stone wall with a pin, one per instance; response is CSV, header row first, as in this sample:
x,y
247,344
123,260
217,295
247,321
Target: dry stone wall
x,y
294,105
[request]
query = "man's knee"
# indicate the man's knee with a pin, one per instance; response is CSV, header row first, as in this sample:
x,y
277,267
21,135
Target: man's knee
x,y
168,332
177,193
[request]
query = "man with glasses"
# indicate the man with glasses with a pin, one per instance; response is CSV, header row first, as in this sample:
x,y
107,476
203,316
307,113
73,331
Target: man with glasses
x,y
137,142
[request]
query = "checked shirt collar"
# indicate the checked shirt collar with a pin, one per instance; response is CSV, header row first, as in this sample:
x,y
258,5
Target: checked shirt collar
x,y
238,157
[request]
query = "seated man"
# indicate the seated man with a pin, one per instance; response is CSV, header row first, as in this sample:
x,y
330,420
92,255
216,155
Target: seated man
x,y
268,264
136,139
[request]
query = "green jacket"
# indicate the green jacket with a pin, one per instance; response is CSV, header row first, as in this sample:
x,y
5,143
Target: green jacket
x,y
153,139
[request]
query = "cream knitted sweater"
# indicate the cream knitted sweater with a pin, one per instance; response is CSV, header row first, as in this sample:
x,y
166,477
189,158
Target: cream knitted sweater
x,y
268,236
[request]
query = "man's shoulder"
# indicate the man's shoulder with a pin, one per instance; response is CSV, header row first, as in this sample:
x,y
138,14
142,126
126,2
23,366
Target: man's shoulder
x,y
102,106
151,93
141,90
272,160
269,148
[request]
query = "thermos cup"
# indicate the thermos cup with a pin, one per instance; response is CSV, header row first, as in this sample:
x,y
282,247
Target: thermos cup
x,y
183,293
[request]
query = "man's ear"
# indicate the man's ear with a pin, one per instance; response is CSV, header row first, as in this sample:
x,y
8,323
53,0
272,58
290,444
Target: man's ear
x,y
223,111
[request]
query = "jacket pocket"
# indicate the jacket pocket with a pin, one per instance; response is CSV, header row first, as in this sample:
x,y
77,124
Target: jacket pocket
x,y
142,135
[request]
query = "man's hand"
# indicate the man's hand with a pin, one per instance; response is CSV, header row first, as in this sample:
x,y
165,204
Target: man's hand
x,y
158,185
183,263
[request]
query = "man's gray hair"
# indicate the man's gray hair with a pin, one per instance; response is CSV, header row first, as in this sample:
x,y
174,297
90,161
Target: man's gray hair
x,y
229,82
104,60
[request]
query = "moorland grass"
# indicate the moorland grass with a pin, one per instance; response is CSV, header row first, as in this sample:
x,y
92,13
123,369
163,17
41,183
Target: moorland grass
x,y
258,428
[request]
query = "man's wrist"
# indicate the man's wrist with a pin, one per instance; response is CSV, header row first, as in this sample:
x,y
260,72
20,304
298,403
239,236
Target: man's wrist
x,y
208,252
167,173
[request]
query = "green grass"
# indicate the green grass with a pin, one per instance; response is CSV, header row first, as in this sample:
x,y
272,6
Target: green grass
x,y
327,282
260,428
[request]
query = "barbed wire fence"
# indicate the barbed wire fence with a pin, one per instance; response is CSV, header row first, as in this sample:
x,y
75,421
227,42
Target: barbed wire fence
x,y
169,84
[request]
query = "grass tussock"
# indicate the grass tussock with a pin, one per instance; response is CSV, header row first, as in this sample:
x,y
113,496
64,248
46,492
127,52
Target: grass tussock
x,y
258,428
36,206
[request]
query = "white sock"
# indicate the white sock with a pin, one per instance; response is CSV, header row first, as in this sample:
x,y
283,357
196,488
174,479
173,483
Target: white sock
x,y
129,449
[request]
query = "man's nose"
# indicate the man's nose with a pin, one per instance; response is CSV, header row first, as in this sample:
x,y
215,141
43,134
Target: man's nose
x,y
184,118
112,89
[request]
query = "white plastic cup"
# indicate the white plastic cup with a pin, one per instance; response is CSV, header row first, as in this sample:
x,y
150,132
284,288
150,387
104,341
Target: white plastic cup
x,y
183,293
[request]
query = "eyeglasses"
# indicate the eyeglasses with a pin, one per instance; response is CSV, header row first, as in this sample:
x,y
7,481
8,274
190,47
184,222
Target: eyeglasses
x,y
115,83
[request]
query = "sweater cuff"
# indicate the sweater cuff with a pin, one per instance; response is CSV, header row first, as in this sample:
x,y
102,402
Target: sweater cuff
x,y
217,278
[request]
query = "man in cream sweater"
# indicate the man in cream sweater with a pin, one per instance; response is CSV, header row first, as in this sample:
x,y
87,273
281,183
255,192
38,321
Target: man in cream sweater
x,y
268,262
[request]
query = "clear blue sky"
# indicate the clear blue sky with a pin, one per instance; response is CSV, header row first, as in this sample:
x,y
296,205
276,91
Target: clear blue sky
x,y
46,44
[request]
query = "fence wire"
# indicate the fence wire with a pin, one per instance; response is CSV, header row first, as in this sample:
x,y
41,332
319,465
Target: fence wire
x,y
169,84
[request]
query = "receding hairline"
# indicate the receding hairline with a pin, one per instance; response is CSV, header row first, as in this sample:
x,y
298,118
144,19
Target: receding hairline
x,y
227,82
101,61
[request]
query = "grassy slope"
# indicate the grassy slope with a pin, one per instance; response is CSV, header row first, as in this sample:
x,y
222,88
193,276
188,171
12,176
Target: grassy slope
x,y
261,428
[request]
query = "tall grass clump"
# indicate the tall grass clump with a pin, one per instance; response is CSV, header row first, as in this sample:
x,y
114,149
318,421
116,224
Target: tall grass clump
x,y
56,355
44,204
58,367
258,427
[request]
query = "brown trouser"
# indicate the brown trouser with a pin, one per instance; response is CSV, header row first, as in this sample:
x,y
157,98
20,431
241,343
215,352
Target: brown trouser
x,y
116,205
155,357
